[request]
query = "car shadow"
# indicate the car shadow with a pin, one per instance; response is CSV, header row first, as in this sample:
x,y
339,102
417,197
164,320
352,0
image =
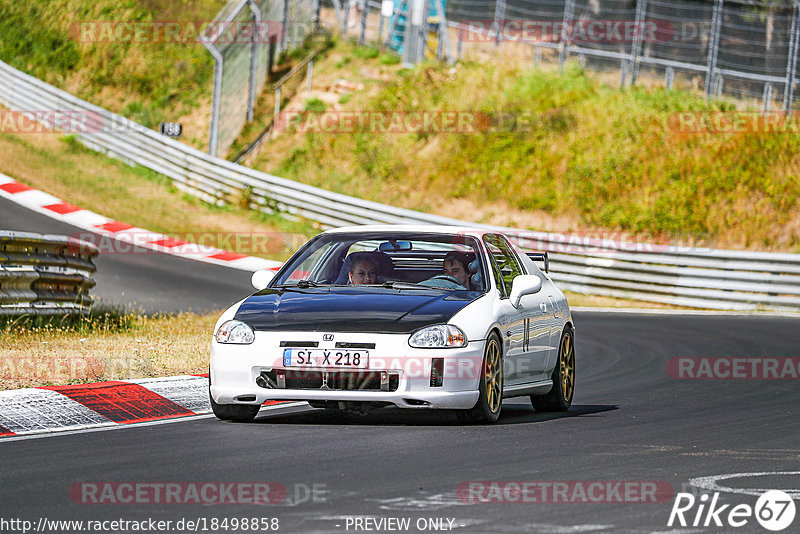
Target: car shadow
x,y
512,414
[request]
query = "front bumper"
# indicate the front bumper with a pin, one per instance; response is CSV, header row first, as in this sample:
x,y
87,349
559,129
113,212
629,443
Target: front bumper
x,y
235,369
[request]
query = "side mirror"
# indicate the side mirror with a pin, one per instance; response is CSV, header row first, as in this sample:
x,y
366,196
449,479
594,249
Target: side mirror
x,y
262,278
524,284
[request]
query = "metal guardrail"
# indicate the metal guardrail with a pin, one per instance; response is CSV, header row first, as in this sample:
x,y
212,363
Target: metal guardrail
x,y
705,278
45,274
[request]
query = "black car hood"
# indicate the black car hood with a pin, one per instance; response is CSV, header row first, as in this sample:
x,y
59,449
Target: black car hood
x,y
351,309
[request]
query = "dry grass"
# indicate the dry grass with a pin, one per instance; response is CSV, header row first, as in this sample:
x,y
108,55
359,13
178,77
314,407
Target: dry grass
x,y
149,347
598,159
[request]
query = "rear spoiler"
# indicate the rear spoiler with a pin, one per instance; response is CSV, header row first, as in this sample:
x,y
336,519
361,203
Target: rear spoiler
x,y
540,256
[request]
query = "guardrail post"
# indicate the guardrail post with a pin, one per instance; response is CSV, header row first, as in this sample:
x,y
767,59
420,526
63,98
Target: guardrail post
x,y
791,62
309,74
537,56
766,100
624,70
316,15
566,32
499,20
669,77
346,19
713,45
636,47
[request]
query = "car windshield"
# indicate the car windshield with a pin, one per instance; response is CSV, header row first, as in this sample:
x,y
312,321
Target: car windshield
x,y
399,261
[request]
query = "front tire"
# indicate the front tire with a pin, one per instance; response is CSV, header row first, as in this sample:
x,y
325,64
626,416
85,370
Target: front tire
x,y
559,399
240,413
490,386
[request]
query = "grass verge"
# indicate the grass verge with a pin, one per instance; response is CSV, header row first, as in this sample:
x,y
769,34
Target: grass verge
x,y
107,345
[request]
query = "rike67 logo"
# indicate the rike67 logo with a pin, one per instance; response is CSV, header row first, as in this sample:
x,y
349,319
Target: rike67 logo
x,y
774,510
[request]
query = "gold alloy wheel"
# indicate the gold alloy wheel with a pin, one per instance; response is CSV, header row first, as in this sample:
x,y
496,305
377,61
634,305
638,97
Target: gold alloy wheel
x,y
493,377
567,362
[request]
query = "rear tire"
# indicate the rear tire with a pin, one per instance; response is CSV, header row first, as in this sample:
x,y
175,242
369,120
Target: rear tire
x,y
490,386
559,399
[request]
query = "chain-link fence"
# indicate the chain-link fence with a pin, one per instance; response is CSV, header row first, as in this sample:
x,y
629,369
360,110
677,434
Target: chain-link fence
x,y
245,39
744,49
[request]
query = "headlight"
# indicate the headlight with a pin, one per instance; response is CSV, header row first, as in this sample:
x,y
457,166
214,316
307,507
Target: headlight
x,y
439,336
235,332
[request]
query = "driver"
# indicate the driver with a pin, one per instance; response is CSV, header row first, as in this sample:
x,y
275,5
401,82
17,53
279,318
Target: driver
x,y
456,264
363,270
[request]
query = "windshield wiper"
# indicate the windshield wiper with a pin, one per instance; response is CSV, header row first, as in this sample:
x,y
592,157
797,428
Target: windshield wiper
x,y
407,285
303,284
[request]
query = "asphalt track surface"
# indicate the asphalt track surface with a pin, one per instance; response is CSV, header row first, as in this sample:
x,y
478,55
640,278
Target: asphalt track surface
x,y
143,279
629,422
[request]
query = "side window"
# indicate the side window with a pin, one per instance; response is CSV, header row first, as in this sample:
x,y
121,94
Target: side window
x,y
505,266
308,266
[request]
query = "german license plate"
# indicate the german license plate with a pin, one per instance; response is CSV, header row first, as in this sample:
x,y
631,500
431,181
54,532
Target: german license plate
x,y
354,359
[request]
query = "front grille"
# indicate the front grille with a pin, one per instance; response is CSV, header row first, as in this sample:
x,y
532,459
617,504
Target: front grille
x,y
335,380
300,344
350,345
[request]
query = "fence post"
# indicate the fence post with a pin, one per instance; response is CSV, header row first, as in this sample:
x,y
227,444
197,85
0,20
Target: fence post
x,y
316,15
380,27
713,46
285,21
216,99
309,74
791,62
251,100
346,19
362,34
499,19
444,30
566,32
537,56
636,47
277,115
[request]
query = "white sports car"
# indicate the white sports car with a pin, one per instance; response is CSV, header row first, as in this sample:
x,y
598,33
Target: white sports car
x,y
410,316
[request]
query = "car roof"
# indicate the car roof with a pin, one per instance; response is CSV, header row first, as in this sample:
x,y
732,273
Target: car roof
x,y
390,229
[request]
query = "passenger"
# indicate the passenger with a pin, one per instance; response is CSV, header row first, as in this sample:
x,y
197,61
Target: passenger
x,y
363,270
456,264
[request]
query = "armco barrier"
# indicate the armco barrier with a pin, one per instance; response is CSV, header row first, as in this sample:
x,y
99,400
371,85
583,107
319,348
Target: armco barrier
x,y
705,278
45,274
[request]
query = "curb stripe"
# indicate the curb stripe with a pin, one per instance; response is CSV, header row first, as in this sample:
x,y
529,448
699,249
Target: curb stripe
x,y
62,208
122,402
109,228
6,432
15,187
114,227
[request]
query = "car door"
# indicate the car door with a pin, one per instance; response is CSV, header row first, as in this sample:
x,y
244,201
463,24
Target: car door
x,y
525,328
